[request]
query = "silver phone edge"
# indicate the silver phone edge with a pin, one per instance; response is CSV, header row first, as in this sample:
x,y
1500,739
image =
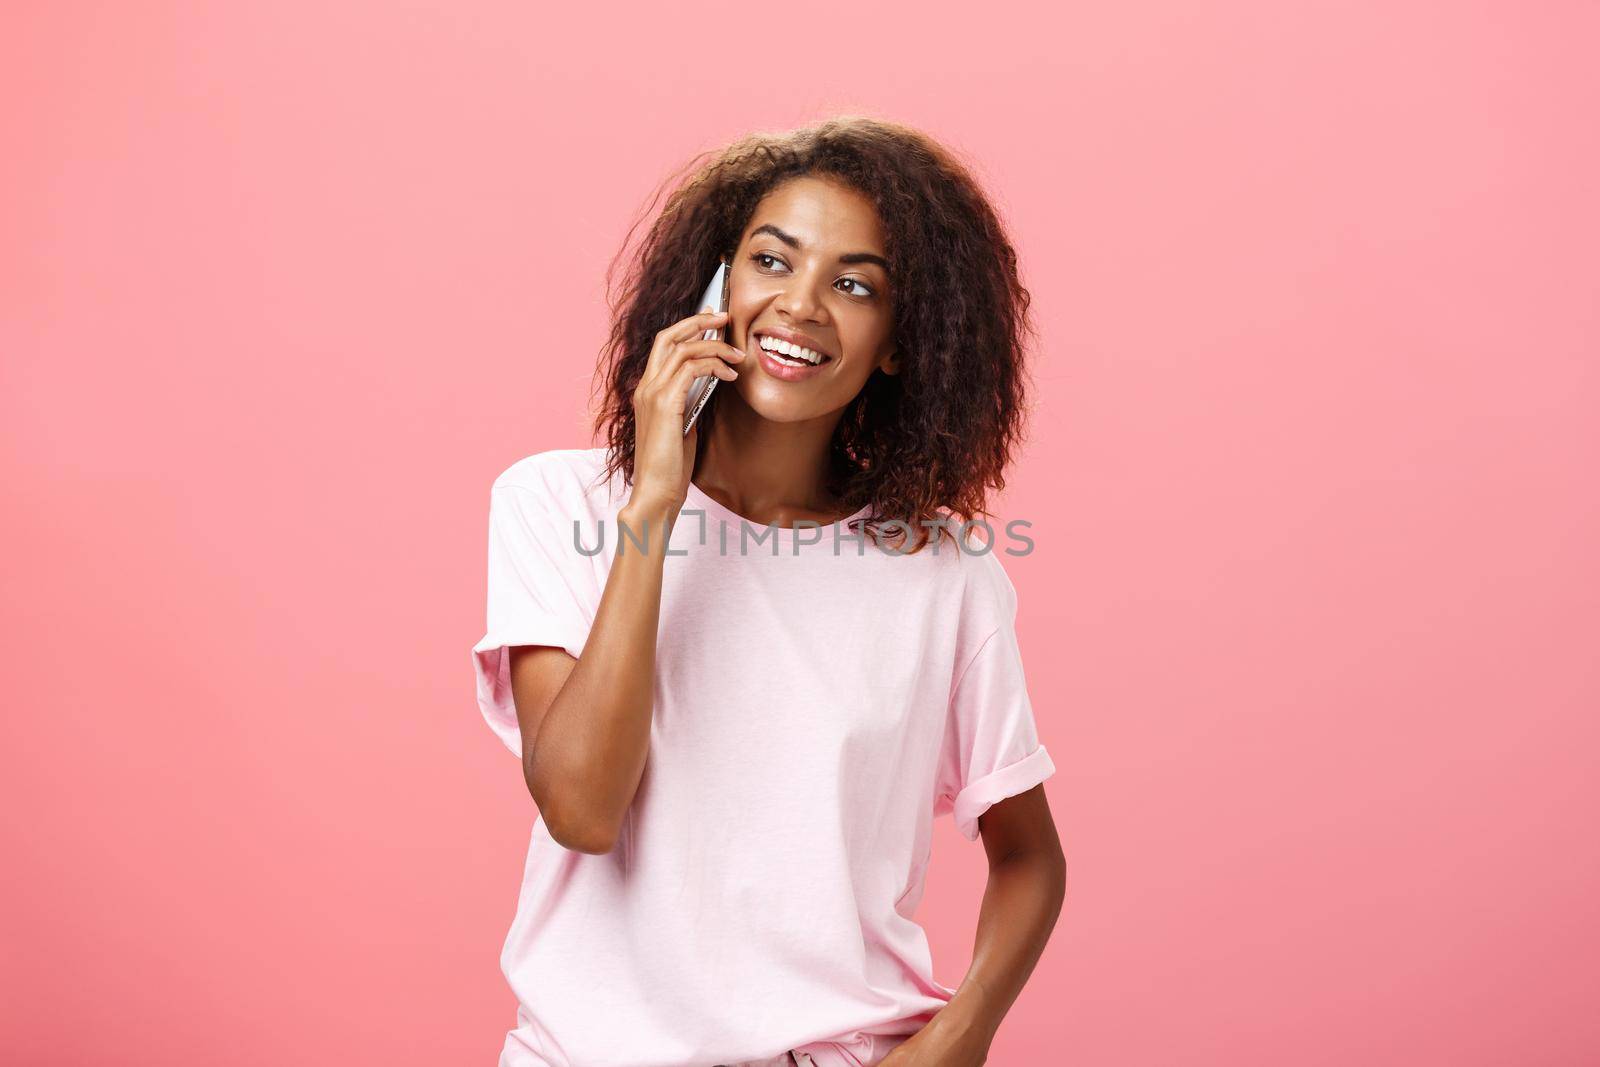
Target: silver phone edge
x,y
710,335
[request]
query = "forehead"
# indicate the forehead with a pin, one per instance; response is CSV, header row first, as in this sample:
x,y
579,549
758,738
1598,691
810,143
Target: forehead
x,y
826,215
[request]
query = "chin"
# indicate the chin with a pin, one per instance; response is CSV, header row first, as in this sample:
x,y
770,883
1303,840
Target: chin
x,y
782,413
783,410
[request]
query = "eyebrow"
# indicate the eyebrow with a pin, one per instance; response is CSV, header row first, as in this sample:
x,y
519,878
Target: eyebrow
x,y
794,243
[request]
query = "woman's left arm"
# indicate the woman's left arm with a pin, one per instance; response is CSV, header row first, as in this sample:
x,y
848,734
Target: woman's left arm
x,y
1027,884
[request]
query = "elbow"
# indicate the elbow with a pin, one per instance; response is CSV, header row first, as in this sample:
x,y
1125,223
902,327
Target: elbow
x,y
1056,864
575,831
1049,865
1058,873
596,841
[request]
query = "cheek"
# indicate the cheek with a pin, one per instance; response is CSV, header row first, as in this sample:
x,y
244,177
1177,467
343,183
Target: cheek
x,y
745,302
740,316
864,340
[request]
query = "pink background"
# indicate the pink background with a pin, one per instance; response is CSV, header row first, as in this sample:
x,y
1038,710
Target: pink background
x,y
1311,626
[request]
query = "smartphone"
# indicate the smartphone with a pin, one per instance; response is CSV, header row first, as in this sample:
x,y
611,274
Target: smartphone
x,y
715,298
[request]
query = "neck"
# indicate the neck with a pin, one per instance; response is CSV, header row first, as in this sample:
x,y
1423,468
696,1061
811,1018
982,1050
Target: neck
x,y
767,471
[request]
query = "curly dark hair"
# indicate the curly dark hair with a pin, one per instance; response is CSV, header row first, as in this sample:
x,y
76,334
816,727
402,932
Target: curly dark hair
x,y
941,433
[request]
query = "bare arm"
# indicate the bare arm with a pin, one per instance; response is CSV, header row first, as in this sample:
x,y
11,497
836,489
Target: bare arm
x,y
585,721
1027,885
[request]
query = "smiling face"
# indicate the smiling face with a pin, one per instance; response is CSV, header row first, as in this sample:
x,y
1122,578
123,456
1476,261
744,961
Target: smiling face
x,y
809,273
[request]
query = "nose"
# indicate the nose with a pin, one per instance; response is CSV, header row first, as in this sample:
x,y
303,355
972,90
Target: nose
x,y
798,300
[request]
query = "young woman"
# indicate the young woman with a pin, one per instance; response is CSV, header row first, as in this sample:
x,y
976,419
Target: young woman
x,y
738,736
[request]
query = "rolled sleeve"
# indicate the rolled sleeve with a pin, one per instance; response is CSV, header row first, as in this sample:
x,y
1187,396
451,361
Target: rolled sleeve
x,y
536,596
991,748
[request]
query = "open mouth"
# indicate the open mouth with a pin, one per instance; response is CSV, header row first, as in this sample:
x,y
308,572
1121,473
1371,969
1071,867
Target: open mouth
x,y
791,355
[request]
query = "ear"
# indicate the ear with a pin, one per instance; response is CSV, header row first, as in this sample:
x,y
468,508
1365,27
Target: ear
x,y
890,363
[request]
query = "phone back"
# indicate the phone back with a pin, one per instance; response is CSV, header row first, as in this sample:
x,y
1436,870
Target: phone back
x,y
700,390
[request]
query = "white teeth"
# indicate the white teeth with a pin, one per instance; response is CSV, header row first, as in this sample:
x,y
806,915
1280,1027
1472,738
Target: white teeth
x,y
795,352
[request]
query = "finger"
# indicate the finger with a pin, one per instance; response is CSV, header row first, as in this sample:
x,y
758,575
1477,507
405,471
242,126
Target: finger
x,y
675,353
696,349
687,329
669,393
687,372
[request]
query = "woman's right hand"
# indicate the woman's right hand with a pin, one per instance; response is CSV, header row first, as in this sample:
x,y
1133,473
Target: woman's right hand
x,y
663,456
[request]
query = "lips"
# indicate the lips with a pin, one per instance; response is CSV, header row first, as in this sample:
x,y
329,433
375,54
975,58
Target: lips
x,y
794,337
778,370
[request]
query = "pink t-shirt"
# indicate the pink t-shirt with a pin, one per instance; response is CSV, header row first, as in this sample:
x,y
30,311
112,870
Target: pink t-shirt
x,y
814,710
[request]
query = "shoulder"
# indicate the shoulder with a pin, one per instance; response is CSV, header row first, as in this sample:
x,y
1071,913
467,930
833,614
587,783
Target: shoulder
x,y
561,475
988,596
